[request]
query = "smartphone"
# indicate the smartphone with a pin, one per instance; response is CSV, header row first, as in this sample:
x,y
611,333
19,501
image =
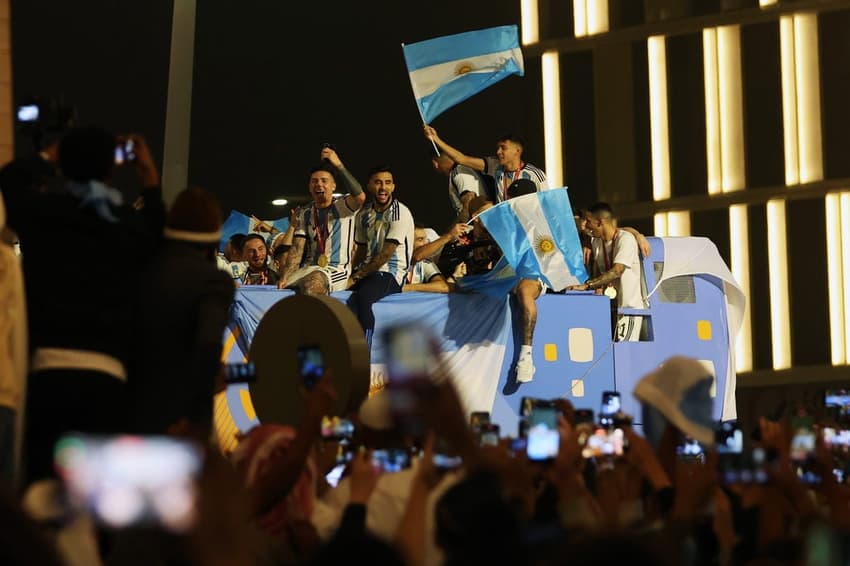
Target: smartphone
x,y
729,438
609,408
132,481
310,365
604,442
838,399
392,460
689,449
478,419
488,435
28,113
743,468
410,363
803,438
125,152
444,457
529,404
837,439
335,428
240,373
541,431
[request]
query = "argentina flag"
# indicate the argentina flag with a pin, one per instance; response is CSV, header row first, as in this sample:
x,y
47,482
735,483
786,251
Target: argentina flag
x,y
538,237
239,223
447,70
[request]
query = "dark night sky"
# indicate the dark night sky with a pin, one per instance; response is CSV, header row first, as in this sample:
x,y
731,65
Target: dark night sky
x,y
273,80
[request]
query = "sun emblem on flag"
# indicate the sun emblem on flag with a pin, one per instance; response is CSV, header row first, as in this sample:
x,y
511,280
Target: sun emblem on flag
x,y
463,68
545,244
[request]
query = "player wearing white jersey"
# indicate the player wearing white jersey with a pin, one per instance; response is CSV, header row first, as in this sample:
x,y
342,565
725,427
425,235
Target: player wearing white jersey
x,y
319,261
506,168
616,268
384,239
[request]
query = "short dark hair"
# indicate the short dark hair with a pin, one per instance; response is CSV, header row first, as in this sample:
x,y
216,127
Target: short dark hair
x,y
512,137
601,209
87,153
478,203
326,167
237,241
419,226
250,237
380,169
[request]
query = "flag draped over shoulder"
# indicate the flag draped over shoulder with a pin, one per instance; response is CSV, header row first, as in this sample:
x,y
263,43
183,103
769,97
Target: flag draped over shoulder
x,y
538,237
447,70
238,223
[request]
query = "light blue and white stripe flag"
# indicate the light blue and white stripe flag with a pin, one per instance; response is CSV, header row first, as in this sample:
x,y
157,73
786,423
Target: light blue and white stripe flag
x,y
239,223
447,70
538,237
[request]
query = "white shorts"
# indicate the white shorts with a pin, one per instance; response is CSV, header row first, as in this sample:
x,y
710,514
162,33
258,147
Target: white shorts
x,y
337,277
628,328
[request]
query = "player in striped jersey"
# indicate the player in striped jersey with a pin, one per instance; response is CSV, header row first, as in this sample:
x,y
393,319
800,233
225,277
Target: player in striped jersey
x,y
384,238
505,168
319,261
464,184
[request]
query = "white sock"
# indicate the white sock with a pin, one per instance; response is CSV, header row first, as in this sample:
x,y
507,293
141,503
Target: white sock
x,y
524,351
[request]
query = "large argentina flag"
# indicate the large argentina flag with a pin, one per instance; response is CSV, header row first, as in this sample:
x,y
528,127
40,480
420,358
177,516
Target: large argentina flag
x,y
239,223
447,70
538,237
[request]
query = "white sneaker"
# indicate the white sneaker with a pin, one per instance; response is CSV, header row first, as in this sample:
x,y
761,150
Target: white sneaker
x,y
524,369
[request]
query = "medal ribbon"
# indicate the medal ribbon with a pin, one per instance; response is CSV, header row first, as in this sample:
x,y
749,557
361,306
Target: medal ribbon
x,y
322,232
507,183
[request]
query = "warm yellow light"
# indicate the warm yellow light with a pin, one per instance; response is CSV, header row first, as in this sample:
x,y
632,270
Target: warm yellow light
x,y
597,16
679,223
730,103
660,224
657,59
807,76
712,111
530,21
552,118
835,278
739,240
764,3
845,260
789,99
777,257
580,18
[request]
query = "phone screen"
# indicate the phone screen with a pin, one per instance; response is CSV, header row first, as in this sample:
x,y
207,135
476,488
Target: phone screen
x,y
542,435
610,407
839,399
335,428
690,449
389,461
28,113
240,373
489,435
128,481
410,363
729,438
803,439
310,365
478,420
604,442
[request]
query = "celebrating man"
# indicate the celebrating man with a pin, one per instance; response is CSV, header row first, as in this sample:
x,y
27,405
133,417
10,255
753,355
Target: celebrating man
x,y
384,238
319,260
506,167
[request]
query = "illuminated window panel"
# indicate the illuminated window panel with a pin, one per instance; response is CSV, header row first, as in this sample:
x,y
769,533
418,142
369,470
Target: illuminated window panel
x,y
659,131
777,255
739,239
590,17
552,134
835,251
530,22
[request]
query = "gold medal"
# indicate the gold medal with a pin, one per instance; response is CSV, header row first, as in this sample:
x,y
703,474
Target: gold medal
x,y
611,292
323,260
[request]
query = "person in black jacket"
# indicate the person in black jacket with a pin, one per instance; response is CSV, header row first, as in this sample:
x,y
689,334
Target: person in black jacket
x,y
184,303
79,303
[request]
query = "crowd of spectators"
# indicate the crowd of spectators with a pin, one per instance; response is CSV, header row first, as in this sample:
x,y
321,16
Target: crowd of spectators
x,y
131,344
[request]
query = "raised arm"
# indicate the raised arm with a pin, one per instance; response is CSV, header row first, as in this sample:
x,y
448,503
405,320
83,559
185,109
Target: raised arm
x,y
455,155
432,248
355,197
293,260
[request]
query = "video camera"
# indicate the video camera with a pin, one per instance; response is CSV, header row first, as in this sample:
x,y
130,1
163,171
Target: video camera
x,y
43,121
